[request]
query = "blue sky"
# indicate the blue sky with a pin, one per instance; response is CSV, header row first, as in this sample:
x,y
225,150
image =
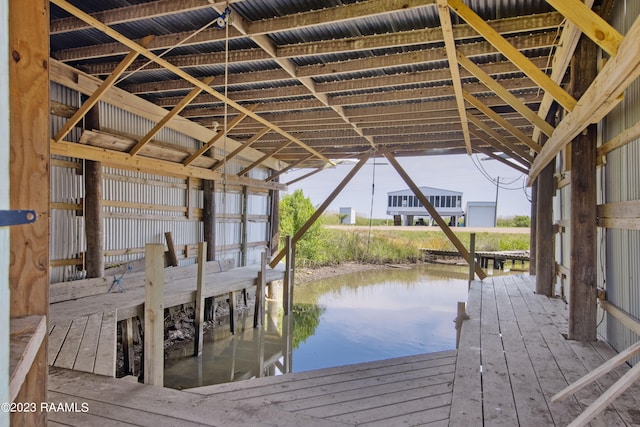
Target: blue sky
x,y
471,175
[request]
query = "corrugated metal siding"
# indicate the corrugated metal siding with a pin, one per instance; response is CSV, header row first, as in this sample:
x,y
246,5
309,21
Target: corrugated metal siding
x,y
128,228
622,183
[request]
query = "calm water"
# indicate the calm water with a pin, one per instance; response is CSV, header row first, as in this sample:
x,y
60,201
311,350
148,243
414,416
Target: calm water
x,y
349,319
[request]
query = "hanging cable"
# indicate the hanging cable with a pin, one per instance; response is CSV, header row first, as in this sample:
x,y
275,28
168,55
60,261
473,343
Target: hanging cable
x,y
373,193
225,120
215,21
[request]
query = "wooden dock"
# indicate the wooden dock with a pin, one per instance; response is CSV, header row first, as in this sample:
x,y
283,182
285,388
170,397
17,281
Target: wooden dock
x,y
82,331
512,359
498,258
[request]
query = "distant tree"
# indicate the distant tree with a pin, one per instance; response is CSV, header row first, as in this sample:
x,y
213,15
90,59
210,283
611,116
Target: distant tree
x,y
521,221
295,210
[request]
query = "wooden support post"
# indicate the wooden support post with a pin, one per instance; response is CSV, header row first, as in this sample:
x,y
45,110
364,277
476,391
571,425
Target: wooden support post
x,y
287,342
245,224
533,229
274,222
461,316
209,217
472,255
545,259
582,276
94,257
323,207
93,216
127,346
435,215
261,282
29,159
233,311
286,283
154,315
199,314
173,257
292,271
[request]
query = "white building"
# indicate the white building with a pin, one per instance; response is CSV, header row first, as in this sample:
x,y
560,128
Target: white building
x,y
481,214
404,203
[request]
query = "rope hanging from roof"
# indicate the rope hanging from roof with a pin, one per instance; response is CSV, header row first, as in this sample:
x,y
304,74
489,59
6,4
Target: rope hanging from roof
x,y
225,21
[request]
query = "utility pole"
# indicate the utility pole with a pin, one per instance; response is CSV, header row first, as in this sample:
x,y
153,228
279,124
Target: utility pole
x,y
495,214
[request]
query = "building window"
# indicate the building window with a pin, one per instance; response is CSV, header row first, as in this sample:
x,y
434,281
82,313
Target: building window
x,y
432,200
390,200
437,202
459,202
448,201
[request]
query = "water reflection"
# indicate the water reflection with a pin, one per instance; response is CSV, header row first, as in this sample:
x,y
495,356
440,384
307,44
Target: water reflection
x,y
343,320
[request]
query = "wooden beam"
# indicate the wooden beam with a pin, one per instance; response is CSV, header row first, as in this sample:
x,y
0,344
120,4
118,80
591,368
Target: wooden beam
x,y
450,46
497,146
27,279
87,84
320,210
591,24
508,97
218,136
621,139
602,96
513,54
171,114
343,13
560,63
95,96
209,217
300,178
179,72
545,240
272,153
288,168
153,166
500,159
583,311
154,315
435,215
487,111
521,155
247,144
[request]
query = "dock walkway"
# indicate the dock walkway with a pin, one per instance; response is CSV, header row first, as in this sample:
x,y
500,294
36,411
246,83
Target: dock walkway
x,y
82,331
512,359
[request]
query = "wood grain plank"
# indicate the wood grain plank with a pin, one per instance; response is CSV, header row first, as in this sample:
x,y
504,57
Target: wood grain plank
x,y
466,405
86,358
69,351
56,338
106,353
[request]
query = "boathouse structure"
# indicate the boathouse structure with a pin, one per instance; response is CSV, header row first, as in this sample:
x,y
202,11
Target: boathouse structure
x,y
144,144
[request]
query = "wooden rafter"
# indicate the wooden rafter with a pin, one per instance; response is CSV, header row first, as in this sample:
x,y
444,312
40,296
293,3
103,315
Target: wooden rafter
x,y
601,97
288,168
104,86
522,154
513,54
503,93
497,145
218,136
305,176
561,60
150,165
237,151
171,114
500,159
475,102
450,45
338,14
272,153
592,25
181,73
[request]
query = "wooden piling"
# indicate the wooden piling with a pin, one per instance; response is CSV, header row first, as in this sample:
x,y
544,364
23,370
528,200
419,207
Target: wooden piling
x,y
127,346
472,256
199,314
154,315
260,287
287,282
173,257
